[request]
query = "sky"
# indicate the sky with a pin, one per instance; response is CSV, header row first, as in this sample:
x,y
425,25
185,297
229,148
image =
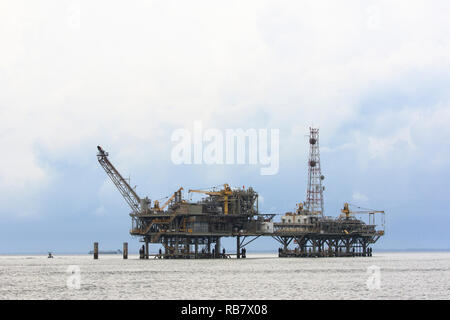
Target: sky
x,y
373,76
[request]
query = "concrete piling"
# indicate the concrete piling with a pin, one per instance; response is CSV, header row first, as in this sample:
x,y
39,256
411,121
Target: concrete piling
x,y
125,250
95,250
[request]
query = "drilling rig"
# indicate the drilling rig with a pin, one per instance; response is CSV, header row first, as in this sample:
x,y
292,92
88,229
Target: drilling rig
x,y
188,229
192,229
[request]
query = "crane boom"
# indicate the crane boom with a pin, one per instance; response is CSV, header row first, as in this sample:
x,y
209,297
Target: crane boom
x,y
171,198
346,212
122,185
210,193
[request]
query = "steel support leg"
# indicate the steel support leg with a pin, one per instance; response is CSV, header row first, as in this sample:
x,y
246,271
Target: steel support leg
x,y
238,247
196,248
217,248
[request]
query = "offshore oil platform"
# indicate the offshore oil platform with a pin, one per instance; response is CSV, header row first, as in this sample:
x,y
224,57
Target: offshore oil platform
x,y
187,229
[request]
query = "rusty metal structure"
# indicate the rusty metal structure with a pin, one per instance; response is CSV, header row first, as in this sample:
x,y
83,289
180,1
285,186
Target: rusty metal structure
x,y
316,235
188,229
345,236
192,229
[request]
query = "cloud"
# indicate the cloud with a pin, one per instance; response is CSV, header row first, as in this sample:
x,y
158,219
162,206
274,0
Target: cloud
x,y
130,74
359,198
100,211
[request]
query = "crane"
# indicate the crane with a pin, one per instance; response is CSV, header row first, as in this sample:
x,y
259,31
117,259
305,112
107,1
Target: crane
x,y
300,208
175,194
136,204
346,212
225,192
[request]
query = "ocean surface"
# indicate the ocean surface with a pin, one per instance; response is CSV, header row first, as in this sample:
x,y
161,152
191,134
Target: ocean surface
x,y
393,275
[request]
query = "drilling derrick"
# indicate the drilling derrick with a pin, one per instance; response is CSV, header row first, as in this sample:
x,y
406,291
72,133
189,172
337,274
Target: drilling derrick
x,y
314,194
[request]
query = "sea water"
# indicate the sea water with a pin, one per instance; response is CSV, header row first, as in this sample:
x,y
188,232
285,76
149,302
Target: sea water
x,y
418,275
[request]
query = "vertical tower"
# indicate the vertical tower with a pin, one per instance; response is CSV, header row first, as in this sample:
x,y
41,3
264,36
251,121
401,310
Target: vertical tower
x,y
314,195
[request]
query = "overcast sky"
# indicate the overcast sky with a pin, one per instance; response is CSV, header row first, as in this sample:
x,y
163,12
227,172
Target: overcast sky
x,y
373,76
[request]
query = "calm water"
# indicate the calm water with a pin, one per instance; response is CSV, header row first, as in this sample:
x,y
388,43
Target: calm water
x,y
262,276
